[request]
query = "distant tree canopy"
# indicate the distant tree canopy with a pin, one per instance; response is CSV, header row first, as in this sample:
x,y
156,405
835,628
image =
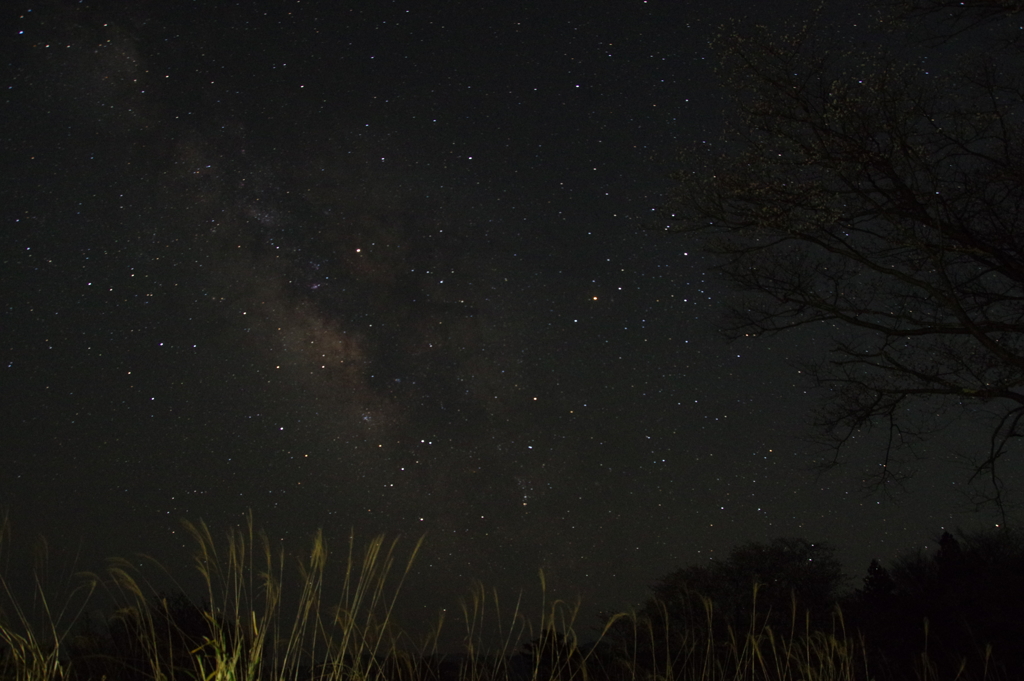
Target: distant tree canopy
x,y
965,599
786,573
874,186
785,584
951,613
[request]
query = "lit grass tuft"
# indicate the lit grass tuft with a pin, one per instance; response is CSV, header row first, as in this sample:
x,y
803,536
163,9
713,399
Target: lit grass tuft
x,y
251,633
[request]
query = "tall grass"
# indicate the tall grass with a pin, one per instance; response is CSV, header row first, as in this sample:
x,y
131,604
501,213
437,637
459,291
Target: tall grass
x,y
257,621
653,647
32,628
250,632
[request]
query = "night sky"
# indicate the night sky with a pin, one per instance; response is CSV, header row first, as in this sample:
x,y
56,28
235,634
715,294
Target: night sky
x,y
386,267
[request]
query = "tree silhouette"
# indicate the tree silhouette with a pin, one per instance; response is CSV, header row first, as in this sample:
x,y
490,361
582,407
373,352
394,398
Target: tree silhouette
x,y
878,585
876,191
773,584
961,604
786,572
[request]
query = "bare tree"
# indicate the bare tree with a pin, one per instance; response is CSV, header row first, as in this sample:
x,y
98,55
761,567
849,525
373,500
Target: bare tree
x,y
875,187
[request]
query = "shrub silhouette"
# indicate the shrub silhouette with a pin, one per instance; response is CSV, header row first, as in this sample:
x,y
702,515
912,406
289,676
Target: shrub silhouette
x,y
169,634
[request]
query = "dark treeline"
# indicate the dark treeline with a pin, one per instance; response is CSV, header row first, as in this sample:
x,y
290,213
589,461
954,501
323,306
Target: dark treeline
x,y
956,612
962,604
